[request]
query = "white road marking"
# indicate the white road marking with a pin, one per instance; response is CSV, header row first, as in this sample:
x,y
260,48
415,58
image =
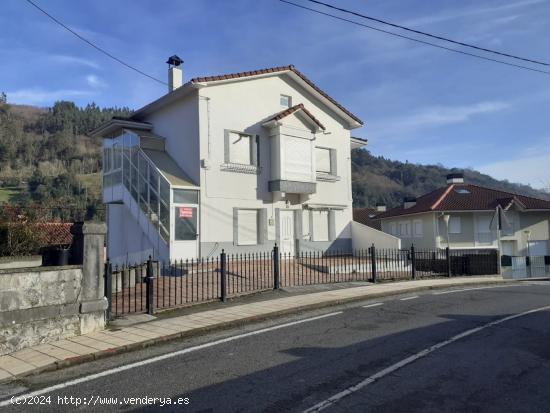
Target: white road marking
x,y
423,353
472,289
372,305
109,372
408,298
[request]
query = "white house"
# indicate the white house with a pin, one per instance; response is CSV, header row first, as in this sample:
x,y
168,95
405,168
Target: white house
x,y
239,161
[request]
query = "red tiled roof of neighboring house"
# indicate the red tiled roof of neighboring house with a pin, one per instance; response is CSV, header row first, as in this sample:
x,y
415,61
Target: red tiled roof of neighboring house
x,y
53,233
293,109
275,70
367,216
467,197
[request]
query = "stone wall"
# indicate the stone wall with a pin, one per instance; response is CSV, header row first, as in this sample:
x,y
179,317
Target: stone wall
x,y
43,304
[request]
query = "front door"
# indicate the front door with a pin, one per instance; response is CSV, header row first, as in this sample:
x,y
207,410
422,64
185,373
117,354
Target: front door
x,y
185,219
286,231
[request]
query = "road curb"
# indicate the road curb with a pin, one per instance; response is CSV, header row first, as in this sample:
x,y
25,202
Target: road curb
x,y
101,354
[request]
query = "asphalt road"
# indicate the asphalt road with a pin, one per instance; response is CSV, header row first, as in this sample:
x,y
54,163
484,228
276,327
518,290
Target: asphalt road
x,y
298,362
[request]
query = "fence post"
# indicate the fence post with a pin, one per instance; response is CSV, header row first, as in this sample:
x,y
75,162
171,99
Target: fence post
x,y
223,277
88,250
413,262
373,262
108,273
149,287
276,270
448,258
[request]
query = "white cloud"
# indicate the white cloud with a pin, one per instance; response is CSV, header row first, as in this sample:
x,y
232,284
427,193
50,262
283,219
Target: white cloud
x,y
74,60
531,170
434,116
38,96
459,13
95,82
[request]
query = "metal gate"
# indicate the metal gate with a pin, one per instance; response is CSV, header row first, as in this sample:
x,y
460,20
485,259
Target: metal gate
x,y
519,267
538,268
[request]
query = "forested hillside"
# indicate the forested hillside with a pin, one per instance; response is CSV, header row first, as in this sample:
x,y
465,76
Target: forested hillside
x,y
47,162
380,180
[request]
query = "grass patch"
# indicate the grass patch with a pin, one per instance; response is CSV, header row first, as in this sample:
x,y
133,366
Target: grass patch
x,y
9,194
92,182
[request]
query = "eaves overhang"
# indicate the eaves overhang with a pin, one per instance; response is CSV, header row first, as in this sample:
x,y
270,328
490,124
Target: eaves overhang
x,y
113,125
357,143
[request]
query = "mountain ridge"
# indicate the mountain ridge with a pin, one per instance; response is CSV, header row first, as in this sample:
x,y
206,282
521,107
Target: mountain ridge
x,y
379,180
47,158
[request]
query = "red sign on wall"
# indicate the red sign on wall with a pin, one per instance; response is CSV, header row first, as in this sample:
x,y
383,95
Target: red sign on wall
x,y
185,212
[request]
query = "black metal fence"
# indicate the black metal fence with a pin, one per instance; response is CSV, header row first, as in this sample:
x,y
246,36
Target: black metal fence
x,y
154,286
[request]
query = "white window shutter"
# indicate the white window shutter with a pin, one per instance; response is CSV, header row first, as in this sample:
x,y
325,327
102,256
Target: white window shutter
x,y
455,225
247,227
333,162
322,160
320,225
418,229
298,158
240,148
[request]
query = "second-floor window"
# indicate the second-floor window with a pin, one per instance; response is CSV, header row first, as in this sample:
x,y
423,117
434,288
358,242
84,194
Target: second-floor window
x,y
241,148
325,159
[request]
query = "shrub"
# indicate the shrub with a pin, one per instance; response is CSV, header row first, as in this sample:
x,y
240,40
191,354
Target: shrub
x,y
17,233
18,239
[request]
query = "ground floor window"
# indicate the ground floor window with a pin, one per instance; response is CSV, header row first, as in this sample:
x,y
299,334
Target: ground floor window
x,y
320,225
455,225
247,226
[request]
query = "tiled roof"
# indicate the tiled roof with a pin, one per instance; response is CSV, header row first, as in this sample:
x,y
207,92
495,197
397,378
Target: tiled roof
x,y
293,109
467,197
367,216
275,70
53,233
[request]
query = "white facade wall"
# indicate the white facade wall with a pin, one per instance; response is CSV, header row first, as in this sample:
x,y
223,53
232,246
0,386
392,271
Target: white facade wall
x,y
194,128
471,234
364,237
419,230
244,106
178,123
131,237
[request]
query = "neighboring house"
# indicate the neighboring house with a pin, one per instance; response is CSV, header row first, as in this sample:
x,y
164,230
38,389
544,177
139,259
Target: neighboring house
x,y
236,162
464,216
367,216
53,233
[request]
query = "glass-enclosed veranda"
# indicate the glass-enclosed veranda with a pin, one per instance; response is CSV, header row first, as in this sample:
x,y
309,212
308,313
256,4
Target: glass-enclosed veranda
x,y
154,181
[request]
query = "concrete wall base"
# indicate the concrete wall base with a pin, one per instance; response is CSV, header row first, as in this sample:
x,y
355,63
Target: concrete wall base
x,y
214,249
44,305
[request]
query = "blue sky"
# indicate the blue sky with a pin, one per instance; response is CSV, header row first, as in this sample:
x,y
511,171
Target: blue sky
x,y
419,103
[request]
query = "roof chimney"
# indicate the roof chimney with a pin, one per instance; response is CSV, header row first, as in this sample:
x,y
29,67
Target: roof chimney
x,y
381,208
455,179
175,74
409,202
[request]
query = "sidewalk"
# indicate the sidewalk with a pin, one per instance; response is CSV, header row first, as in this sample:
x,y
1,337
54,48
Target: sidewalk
x,y
88,347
